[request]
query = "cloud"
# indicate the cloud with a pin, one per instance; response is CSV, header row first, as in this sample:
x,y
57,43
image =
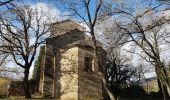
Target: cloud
x,y
87,29
50,12
51,15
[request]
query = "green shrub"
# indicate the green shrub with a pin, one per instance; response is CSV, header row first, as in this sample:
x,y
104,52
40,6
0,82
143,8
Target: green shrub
x,y
36,70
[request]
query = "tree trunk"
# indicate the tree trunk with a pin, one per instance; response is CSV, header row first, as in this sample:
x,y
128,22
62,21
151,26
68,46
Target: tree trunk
x,y
26,84
163,90
162,87
97,51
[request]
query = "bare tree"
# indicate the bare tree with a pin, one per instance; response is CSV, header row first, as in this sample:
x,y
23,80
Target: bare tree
x,y
118,70
147,31
91,13
5,2
22,31
119,73
3,56
140,75
82,10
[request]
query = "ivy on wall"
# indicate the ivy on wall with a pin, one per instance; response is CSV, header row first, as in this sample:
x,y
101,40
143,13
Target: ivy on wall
x,y
36,71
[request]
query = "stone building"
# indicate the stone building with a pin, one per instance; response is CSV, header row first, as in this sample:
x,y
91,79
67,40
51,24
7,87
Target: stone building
x,y
69,68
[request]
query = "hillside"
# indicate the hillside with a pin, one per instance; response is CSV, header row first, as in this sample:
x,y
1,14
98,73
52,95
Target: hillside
x,y
4,83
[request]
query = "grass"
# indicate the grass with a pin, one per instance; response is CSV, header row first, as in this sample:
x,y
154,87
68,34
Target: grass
x,y
36,96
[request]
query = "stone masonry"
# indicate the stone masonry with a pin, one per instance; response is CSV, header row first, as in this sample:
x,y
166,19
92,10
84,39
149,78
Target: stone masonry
x,y
70,69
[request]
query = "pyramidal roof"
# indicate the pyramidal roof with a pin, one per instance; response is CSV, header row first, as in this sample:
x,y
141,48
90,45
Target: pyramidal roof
x,y
62,27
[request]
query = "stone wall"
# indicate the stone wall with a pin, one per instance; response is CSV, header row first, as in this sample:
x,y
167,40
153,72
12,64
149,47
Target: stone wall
x,y
64,74
90,85
69,77
48,85
17,88
41,74
70,80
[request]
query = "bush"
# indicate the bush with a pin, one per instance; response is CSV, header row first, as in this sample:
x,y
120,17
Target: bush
x,y
37,65
133,91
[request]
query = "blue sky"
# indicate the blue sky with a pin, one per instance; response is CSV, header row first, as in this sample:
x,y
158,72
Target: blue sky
x,y
60,9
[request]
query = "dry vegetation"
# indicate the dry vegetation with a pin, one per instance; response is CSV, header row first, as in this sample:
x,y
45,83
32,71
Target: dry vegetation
x,y
4,82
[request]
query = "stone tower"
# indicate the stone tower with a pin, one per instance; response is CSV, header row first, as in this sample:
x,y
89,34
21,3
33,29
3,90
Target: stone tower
x,y
70,69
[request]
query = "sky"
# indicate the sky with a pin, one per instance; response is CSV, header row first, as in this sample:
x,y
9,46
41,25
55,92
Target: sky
x,y
53,13
57,13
